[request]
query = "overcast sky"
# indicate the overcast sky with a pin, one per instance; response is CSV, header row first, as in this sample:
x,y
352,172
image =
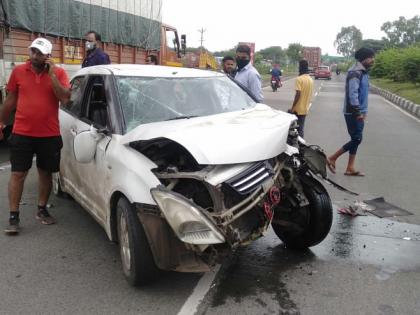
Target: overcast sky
x,y
278,22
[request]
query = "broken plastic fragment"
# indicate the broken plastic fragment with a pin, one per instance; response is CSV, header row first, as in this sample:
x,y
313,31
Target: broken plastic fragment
x,y
407,238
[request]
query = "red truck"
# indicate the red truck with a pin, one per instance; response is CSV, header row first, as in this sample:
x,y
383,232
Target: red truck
x,y
313,56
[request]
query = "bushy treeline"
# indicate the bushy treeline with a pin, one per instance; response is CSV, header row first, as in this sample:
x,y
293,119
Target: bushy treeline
x,y
398,64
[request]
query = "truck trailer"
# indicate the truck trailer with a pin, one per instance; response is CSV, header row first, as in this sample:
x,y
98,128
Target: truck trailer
x,y
313,56
130,31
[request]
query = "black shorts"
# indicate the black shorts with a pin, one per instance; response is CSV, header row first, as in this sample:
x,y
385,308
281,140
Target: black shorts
x,y
46,149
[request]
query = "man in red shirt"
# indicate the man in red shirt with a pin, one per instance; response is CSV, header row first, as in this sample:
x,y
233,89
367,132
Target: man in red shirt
x,y
34,90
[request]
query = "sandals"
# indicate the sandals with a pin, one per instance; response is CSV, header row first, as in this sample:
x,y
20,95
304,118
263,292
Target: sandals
x,y
354,173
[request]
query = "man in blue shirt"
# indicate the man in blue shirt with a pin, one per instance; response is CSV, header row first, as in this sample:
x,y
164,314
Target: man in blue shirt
x,y
94,54
276,72
355,108
246,74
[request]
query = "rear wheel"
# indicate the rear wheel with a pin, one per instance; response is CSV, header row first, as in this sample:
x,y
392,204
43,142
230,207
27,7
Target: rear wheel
x,y
308,225
136,256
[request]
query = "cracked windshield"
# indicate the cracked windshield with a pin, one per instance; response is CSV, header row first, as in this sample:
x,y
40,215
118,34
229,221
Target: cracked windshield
x,y
146,100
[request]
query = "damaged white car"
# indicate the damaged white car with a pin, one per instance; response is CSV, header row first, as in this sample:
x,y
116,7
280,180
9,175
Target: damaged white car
x,y
180,166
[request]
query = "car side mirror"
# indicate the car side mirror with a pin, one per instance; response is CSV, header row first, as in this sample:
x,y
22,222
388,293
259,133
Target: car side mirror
x,y
84,145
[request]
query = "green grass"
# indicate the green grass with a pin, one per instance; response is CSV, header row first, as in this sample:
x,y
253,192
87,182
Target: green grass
x,y
408,90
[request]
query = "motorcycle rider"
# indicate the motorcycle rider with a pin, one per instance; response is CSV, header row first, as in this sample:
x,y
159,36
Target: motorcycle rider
x,y
276,74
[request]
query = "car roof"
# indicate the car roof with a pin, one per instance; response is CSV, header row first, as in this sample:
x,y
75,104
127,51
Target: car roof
x,y
137,70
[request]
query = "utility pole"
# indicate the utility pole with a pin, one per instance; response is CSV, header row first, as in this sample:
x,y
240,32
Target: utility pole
x,y
201,39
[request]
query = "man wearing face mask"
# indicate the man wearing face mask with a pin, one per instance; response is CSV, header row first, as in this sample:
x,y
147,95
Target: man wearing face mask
x,y
34,90
94,54
246,74
355,108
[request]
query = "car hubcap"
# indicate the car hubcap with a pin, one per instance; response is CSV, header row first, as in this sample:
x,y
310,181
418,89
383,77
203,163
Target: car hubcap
x,y
124,244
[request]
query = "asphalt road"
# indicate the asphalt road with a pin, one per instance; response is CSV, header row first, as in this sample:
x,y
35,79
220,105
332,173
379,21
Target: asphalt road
x,y
366,265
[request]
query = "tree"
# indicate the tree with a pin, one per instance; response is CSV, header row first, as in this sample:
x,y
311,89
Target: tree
x,y
273,53
402,32
294,52
223,53
348,40
375,44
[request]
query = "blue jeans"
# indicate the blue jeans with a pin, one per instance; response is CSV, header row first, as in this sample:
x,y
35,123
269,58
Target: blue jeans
x,y
355,130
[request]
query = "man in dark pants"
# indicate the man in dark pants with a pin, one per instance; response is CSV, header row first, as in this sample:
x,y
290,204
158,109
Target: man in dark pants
x,y
94,54
355,109
304,88
34,90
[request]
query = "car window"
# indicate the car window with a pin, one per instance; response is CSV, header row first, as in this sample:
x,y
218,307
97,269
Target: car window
x,y
76,97
323,68
95,109
146,100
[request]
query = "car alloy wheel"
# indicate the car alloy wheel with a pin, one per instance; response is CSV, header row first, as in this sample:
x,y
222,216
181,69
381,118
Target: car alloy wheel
x,y
124,244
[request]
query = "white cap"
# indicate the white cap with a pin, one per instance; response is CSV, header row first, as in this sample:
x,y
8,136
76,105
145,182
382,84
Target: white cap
x,y
43,45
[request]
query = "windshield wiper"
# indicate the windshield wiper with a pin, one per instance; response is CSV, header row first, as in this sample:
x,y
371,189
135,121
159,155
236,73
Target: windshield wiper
x,y
181,117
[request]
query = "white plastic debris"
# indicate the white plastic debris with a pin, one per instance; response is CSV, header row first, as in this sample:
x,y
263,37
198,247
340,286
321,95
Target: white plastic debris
x,y
407,238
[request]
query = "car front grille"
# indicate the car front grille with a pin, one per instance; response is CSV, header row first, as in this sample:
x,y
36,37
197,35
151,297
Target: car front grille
x,y
251,178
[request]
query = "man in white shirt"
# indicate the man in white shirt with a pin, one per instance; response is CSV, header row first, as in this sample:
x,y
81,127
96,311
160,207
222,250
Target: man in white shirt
x,y
246,74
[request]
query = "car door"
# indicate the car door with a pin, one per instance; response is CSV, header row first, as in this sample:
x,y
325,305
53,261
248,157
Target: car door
x,y
90,181
70,113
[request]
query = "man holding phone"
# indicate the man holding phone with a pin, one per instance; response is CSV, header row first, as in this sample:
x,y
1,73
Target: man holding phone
x,y
34,90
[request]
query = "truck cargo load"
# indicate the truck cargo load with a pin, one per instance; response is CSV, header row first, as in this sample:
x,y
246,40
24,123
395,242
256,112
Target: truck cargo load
x,y
313,56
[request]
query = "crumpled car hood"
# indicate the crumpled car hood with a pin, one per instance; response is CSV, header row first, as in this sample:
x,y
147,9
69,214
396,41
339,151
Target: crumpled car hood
x,y
244,136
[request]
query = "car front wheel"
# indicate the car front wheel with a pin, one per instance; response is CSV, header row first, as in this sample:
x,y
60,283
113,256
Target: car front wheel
x,y
309,225
136,256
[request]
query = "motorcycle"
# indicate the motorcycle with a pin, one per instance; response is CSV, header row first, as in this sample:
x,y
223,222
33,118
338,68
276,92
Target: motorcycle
x,y
275,83
337,72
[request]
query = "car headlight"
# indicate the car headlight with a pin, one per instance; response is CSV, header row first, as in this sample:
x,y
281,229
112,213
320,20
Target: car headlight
x,y
186,219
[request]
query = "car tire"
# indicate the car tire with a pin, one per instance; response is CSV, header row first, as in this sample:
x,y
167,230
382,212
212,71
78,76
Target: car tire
x,y
316,78
136,256
56,187
317,218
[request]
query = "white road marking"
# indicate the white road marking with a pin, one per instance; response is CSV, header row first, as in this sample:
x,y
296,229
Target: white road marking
x,y
5,165
203,286
401,110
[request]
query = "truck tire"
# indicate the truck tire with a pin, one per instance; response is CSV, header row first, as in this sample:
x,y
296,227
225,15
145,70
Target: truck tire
x,y
136,256
315,220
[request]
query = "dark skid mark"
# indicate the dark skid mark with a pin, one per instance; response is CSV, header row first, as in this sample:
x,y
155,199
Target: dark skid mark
x,y
372,241
257,269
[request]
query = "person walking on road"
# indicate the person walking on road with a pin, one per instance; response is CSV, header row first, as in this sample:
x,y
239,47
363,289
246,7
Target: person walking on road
x,y
228,63
246,74
304,88
34,90
94,54
355,109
